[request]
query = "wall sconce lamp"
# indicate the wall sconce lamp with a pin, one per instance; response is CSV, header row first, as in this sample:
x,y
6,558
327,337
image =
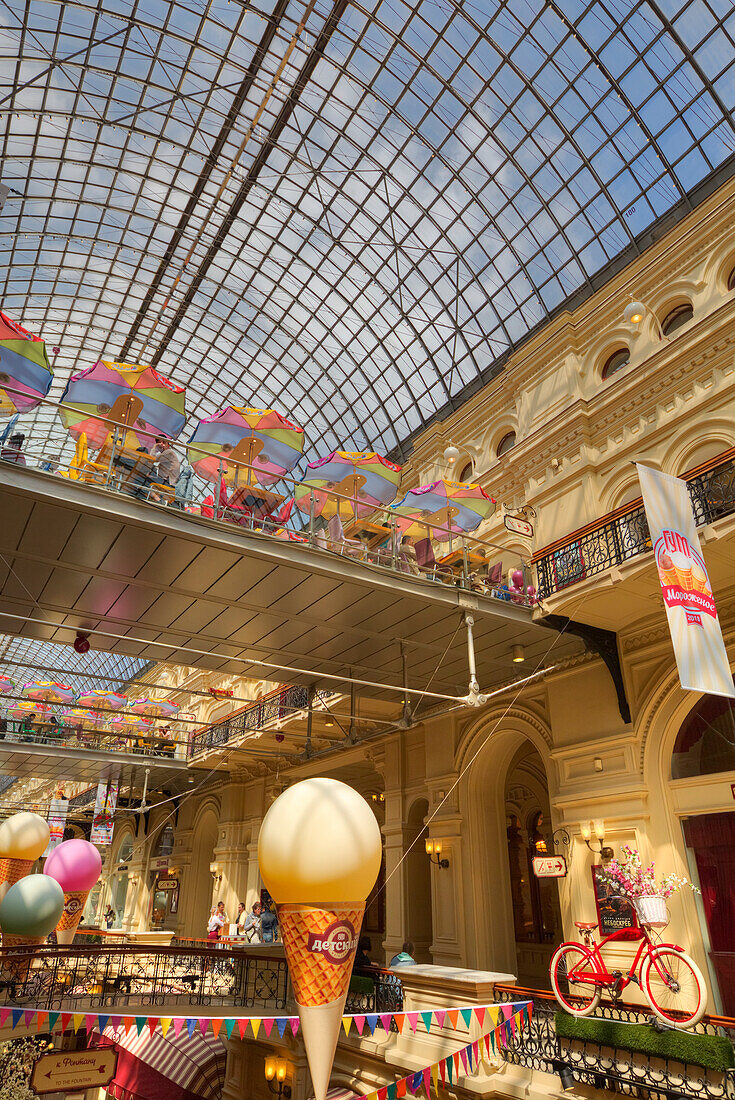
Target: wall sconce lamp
x,y
434,848
275,1071
451,454
215,871
379,797
634,313
587,828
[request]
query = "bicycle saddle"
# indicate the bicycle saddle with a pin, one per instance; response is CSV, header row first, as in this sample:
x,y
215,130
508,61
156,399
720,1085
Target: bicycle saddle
x,y
585,924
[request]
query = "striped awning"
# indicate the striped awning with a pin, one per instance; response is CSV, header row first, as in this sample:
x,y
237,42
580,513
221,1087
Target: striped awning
x,y
187,1067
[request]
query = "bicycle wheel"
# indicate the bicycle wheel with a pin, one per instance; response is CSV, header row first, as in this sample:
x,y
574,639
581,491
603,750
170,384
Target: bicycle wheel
x,y
577,998
674,986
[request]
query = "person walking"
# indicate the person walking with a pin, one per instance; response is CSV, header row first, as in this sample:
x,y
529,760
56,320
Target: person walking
x,y
109,916
269,924
216,922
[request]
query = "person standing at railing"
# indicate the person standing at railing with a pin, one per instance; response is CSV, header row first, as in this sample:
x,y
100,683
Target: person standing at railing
x,y
167,461
216,922
14,450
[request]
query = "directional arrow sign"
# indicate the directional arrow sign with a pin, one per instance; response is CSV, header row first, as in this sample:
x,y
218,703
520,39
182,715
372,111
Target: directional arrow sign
x,y
549,866
73,1069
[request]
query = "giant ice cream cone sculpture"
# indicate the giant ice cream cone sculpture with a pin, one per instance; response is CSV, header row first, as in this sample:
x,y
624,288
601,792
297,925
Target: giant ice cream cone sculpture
x,y
23,837
29,911
319,852
76,866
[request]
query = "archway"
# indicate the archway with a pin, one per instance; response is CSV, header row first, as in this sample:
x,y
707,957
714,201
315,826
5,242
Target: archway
x,y
536,912
419,928
199,878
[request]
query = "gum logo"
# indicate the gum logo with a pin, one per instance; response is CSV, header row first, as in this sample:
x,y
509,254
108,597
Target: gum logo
x,y
338,942
73,906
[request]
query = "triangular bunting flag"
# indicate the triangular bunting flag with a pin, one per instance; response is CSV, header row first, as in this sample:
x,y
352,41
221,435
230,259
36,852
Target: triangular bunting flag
x,y
453,1015
28,1016
401,1087
17,1014
463,1056
448,1062
439,1016
455,1059
165,1025
385,1020
115,1022
282,1024
480,1014
494,1013
372,1023
359,1024
152,1024
242,1026
443,1071
391,1092
400,1019
295,1024
229,1027
347,1024
413,1019
268,1025
492,1040
191,1026
203,1021
427,1080
53,1019
4,1013
507,1011
414,1082
178,1024
476,1052
513,1020
78,1020
102,1023
383,1093
469,1057
372,1096
426,1019
466,1014
435,1077
140,1022
255,1026
216,1026
65,1020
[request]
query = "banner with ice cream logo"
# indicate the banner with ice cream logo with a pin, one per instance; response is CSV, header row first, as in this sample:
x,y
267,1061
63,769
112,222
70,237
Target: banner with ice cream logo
x,y
700,652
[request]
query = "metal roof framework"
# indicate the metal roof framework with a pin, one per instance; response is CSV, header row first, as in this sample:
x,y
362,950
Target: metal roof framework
x,y
351,211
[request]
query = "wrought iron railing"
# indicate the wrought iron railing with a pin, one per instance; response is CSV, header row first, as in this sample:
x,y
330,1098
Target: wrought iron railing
x,y
374,990
54,977
613,1068
623,534
75,737
278,705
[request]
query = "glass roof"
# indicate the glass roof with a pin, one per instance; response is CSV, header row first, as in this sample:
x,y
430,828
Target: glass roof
x,y
351,211
26,659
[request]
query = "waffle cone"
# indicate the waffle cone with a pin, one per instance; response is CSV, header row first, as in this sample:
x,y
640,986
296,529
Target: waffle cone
x,y
669,577
12,870
685,579
320,948
17,967
700,586
74,902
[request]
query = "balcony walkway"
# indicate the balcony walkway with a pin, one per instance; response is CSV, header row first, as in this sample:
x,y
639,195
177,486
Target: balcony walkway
x,y
164,585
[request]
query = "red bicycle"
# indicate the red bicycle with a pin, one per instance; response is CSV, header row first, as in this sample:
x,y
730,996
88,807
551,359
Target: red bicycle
x,y
671,982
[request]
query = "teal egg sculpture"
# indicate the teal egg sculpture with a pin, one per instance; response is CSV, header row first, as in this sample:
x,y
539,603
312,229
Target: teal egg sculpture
x,y
32,907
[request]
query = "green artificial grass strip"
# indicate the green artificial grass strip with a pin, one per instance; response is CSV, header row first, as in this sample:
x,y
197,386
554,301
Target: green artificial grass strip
x,y
360,983
708,1051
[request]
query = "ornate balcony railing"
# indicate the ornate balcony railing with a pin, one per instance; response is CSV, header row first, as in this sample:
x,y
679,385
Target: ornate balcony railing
x,y
54,977
623,534
374,990
612,1068
279,704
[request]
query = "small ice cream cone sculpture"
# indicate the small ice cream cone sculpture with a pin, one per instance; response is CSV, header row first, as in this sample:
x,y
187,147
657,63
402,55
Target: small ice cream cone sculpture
x,y
29,911
76,866
683,567
700,583
320,844
23,838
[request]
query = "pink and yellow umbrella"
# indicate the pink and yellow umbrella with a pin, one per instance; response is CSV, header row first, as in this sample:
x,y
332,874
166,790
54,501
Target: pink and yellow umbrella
x,y
78,716
93,392
353,483
155,708
24,708
24,368
48,691
269,444
102,700
446,509
7,686
132,723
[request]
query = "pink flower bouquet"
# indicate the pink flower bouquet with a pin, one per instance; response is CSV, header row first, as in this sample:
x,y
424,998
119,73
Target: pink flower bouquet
x,y
633,880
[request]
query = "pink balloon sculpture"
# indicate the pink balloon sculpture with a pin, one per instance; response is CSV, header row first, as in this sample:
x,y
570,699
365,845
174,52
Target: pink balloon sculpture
x,y
75,864
517,578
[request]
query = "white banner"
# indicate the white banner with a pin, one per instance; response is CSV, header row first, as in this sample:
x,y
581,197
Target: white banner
x,y
56,822
690,607
104,812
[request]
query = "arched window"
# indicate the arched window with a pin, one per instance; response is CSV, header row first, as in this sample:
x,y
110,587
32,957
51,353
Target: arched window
x,y
705,743
506,443
615,362
165,844
466,474
677,317
125,850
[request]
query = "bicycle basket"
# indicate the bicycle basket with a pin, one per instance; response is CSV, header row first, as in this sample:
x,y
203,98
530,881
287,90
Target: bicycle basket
x,y
651,911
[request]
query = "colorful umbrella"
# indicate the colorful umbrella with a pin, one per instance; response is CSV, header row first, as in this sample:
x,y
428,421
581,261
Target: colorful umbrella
x,y
287,535
93,392
24,366
26,707
155,708
132,723
366,478
7,686
48,691
102,700
78,716
262,438
443,509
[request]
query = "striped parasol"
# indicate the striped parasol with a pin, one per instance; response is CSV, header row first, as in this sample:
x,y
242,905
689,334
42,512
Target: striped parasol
x,y
24,708
155,708
133,723
444,509
7,686
366,478
24,367
261,438
48,691
93,392
79,716
102,700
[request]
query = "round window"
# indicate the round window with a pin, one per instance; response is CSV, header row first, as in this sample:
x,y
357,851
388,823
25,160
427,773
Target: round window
x,y
616,362
508,441
677,317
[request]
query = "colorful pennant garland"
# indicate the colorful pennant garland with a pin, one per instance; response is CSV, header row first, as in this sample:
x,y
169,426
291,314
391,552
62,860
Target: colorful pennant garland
x,y
507,1021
